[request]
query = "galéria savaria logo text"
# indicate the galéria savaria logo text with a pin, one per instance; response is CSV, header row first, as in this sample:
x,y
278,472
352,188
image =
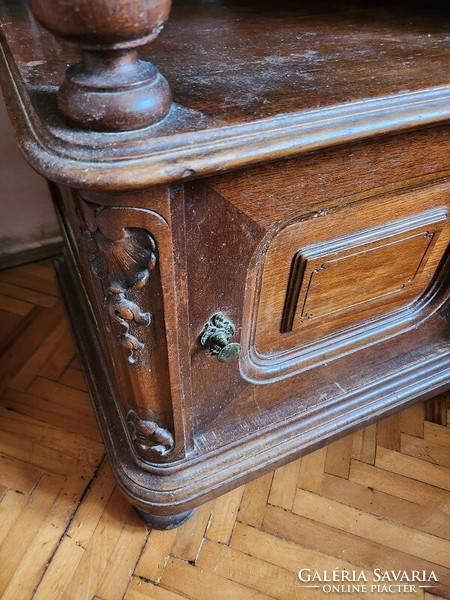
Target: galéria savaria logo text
x,y
342,581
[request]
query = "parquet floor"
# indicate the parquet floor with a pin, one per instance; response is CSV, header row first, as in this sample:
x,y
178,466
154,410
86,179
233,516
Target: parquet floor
x,y
379,499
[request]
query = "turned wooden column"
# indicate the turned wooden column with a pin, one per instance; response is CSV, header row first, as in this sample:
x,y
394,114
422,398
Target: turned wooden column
x,y
111,89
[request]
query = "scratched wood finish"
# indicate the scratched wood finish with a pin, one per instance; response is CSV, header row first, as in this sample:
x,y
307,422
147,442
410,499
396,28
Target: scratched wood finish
x,y
269,213
346,58
289,210
379,498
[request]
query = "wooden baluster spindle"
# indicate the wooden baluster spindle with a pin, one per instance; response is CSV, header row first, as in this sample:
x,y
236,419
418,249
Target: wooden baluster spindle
x,y
111,89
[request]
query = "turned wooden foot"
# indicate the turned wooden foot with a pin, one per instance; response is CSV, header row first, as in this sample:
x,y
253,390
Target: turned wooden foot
x,y
163,522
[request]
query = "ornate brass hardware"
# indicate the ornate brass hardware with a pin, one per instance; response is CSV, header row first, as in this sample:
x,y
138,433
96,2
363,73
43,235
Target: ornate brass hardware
x,y
216,336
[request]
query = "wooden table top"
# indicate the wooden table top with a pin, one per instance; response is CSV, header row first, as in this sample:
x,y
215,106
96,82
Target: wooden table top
x,y
251,81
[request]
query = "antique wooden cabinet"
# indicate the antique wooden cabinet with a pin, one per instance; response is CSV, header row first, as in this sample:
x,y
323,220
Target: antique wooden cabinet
x,y
257,228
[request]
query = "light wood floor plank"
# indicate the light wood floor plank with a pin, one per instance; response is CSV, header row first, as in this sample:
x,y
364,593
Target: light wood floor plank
x,y
70,552
437,434
156,553
60,359
31,296
38,553
122,560
11,506
143,590
254,500
388,432
15,445
244,569
428,596
30,369
55,414
73,378
425,450
338,457
311,470
197,584
39,325
67,443
30,278
75,363
282,491
25,529
10,324
400,486
413,468
53,390
282,553
39,269
389,507
18,475
190,536
95,562
436,410
411,420
346,546
364,445
223,516
17,307
368,526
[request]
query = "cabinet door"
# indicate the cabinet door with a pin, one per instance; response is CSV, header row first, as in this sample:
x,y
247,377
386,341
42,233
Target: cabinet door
x,y
336,280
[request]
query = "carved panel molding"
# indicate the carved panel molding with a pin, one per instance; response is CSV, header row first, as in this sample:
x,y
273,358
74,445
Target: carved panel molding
x,y
384,262
317,296
128,250
122,259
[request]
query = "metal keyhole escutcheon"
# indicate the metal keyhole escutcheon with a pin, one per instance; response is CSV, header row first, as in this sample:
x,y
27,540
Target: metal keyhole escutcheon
x,y
216,336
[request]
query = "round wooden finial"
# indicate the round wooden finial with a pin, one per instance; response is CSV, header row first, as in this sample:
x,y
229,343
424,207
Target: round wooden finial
x,y
111,89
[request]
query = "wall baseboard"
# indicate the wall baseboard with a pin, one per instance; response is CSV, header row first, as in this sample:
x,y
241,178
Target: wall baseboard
x,y
22,257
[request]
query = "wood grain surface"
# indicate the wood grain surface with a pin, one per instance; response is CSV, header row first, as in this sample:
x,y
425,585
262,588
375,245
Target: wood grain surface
x,y
377,499
250,83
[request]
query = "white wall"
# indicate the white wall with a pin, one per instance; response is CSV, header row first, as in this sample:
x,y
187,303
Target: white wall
x,y
27,218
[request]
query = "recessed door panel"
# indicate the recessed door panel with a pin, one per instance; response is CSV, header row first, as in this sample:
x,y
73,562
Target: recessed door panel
x,y
332,281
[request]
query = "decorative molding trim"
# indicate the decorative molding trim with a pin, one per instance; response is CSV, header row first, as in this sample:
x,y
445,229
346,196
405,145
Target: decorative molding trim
x,y
122,259
148,436
413,237
267,445
286,348
176,157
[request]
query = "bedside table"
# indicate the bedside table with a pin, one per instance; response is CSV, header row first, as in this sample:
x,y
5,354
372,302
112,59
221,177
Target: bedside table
x,y
257,228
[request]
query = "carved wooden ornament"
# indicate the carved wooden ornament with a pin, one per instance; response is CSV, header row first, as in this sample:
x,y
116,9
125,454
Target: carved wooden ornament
x,y
123,265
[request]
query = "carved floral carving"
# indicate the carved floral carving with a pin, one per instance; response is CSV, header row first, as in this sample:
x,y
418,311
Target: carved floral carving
x,y
122,258
148,436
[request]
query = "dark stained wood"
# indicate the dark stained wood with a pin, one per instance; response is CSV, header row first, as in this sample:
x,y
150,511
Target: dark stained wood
x,y
303,56
225,114
297,190
436,410
397,241
111,89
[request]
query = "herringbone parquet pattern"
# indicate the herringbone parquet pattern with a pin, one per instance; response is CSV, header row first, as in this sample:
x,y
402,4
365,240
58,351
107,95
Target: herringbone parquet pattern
x,y
379,499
